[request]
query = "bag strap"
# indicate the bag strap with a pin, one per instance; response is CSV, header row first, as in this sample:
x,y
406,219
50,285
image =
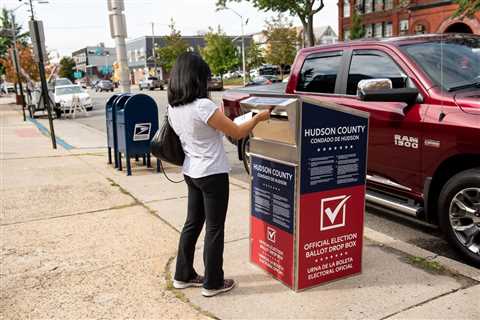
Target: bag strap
x,y
165,174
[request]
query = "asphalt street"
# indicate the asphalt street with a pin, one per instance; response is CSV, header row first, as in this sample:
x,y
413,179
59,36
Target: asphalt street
x,y
396,227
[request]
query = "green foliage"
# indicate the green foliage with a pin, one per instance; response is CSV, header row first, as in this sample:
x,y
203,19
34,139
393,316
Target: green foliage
x,y
219,52
255,56
281,40
357,29
6,38
175,46
67,68
304,9
467,8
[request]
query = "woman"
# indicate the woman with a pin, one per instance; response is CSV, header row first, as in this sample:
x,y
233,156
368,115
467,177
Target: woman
x,y
200,126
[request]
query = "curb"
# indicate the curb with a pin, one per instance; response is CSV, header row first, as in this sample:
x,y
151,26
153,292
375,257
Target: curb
x,y
409,249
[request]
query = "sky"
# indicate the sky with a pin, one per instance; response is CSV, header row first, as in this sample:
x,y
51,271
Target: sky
x,y
74,24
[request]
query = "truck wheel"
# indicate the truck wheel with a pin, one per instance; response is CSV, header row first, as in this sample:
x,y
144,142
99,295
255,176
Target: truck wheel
x,y
140,88
151,88
459,209
246,154
161,88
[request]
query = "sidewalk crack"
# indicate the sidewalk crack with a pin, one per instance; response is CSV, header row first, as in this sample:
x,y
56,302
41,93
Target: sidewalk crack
x,y
428,300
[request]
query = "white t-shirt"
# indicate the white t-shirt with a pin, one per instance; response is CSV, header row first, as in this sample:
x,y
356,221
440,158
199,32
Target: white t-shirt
x,y
203,145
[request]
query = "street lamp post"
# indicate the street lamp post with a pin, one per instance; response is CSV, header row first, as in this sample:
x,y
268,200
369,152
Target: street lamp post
x,y
16,61
243,44
36,35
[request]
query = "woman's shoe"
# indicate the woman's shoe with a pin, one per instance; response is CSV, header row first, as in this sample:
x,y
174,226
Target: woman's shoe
x,y
228,284
195,282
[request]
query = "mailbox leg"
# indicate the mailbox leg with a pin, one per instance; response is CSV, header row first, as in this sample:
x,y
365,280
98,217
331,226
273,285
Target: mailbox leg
x,y
158,165
115,156
144,159
129,167
120,161
136,157
149,163
109,155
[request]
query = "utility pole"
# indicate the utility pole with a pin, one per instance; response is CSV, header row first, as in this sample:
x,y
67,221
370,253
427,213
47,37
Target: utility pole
x,y
154,54
36,31
16,62
243,44
118,31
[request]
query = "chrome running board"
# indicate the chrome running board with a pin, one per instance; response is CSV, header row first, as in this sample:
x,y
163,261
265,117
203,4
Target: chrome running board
x,y
392,203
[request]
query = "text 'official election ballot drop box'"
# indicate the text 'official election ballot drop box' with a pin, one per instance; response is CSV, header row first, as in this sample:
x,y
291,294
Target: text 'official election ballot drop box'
x,y
308,168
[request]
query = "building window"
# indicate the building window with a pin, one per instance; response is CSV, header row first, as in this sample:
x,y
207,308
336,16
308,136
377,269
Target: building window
x,y
369,30
378,30
378,5
319,72
420,29
346,8
359,6
388,5
388,30
368,6
346,34
403,27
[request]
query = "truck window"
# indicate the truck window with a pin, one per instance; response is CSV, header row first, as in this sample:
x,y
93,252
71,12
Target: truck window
x,y
373,64
319,72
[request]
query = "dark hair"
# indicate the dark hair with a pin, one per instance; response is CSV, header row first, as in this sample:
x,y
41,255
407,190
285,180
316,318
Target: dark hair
x,y
188,79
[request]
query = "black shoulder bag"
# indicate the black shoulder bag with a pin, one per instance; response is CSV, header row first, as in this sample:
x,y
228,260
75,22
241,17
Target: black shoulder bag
x,y
166,145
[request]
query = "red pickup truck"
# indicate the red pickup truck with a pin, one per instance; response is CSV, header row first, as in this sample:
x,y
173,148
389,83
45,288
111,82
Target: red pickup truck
x,y
423,96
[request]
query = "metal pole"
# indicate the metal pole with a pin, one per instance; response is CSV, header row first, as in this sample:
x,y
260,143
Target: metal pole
x,y
119,33
243,55
153,49
17,65
43,81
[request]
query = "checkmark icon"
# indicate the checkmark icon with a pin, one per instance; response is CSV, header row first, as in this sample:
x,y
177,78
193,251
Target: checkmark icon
x,y
332,215
329,211
271,234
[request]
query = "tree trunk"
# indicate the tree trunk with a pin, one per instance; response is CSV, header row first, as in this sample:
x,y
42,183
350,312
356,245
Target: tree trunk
x,y
304,33
310,34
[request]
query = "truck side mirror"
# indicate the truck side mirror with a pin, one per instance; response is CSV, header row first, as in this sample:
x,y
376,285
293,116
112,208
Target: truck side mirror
x,y
407,95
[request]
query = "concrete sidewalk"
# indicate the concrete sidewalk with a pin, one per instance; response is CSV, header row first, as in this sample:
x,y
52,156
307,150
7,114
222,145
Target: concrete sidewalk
x,y
80,239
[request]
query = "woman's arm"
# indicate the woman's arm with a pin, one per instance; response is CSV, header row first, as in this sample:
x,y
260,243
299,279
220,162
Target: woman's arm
x,y
220,122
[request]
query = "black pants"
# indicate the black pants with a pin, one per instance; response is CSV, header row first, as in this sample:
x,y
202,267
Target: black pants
x,y
207,202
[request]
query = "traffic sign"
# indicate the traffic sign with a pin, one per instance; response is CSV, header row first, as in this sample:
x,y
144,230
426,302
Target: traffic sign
x,y
77,74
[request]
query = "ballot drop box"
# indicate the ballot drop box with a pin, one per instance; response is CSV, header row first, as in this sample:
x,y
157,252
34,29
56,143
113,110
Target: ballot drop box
x,y
307,171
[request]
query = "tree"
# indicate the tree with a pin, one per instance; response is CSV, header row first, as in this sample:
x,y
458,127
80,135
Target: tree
x,y
174,46
357,30
219,52
467,8
67,68
27,63
281,41
304,9
6,38
255,56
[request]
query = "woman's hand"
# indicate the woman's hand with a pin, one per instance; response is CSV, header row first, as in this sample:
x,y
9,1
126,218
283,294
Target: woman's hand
x,y
263,116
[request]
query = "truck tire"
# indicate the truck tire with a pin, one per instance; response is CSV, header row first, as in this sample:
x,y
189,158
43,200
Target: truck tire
x,y
140,88
246,154
459,213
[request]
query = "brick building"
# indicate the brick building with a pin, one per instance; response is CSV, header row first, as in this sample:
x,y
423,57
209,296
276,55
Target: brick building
x,y
385,18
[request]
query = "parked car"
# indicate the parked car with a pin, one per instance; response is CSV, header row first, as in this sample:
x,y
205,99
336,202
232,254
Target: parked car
x,y
61,82
151,83
104,85
215,84
9,87
424,140
263,80
63,96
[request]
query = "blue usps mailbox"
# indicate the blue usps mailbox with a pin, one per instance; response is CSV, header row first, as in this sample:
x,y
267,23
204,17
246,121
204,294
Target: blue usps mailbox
x,y
110,116
137,123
